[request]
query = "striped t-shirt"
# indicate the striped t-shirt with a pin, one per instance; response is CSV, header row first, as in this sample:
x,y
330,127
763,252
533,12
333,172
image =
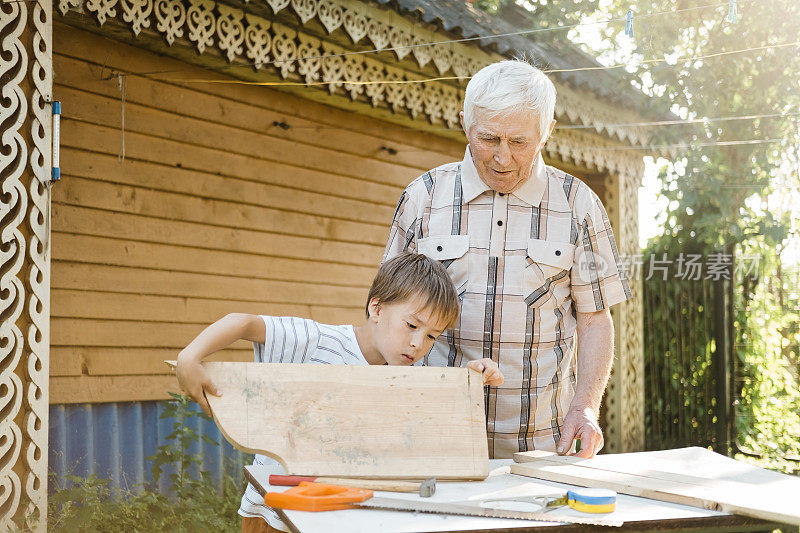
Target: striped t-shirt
x,y
297,340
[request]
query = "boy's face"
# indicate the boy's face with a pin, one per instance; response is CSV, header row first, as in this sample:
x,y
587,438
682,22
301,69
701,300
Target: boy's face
x,y
405,331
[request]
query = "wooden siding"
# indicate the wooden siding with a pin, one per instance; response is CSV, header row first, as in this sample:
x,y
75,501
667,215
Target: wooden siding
x,y
214,209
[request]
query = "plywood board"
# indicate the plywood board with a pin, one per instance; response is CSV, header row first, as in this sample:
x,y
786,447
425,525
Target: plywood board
x,y
689,476
371,422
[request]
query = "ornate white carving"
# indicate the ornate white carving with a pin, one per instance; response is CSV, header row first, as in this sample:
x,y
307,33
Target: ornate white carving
x,y
432,100
13,207
354,71
310,66
66,5
461,65
305,9
442,58
375,91
200,20
378,33
37,366
170,17
401,41
451,105
230,31
283,48
277,5
330,14
421,53
332,67
102,9
257,40
395,92
137,13
355,23
414,98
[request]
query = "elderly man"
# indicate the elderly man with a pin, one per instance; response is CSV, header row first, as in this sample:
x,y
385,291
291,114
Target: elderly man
x,y
532,255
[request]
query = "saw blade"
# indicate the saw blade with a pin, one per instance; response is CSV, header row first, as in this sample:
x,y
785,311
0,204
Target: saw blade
x,y
396,504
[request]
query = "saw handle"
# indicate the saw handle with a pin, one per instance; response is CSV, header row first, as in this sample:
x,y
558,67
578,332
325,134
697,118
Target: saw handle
x,y
316,497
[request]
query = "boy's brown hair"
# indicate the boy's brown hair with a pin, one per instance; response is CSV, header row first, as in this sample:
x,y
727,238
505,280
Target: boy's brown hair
x,y
409,275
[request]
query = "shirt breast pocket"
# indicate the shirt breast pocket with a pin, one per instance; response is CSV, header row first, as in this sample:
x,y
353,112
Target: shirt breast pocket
x,y
547,271
451,251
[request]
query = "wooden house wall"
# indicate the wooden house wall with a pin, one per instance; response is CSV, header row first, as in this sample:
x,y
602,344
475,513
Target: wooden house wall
x,y
214,209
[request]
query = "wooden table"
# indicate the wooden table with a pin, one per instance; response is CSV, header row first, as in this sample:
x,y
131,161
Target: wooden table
x,y
639,514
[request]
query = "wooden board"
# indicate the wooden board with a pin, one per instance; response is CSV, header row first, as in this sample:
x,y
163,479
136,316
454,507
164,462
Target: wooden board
x,y
689,476
371,422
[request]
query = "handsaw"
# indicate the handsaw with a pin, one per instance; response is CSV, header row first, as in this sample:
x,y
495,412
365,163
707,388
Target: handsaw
x,y
470,509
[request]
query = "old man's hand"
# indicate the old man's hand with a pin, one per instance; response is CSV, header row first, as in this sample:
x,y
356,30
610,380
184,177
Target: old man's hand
x,y
581,424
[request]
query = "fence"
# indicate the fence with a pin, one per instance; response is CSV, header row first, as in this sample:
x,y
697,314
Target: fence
x,y
114,440
688,363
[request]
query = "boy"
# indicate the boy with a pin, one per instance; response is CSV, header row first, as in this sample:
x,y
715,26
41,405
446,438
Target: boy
x,y
411,302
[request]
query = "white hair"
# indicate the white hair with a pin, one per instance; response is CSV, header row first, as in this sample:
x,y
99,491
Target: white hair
x,y
509,86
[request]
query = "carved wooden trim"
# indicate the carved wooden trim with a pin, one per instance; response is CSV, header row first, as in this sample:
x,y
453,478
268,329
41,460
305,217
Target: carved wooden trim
x,y
268,45
25,161
624,398
38,307
13,203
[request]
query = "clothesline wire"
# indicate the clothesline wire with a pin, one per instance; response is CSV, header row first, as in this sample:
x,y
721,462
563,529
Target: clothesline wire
x,y
446,78
598,125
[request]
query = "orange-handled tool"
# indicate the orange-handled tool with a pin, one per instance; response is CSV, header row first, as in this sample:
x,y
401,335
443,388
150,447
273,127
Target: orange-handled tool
x,y
316,497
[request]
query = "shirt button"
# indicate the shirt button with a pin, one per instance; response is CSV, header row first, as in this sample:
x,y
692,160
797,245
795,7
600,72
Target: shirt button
x,y
438,248
499,222
558,252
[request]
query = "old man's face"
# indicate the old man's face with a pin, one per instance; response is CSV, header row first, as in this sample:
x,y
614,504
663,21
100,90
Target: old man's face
x,y
504,147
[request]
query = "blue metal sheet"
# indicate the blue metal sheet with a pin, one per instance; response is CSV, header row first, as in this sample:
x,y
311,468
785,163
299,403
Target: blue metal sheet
x,y
114,440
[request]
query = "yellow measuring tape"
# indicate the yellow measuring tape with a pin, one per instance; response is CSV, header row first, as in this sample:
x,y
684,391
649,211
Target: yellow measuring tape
x,y
592,500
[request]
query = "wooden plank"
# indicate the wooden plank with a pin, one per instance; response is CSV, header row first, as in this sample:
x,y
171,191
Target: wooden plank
x,y
769,497
104,167
121,361
91,332
215,109
338,315
82,303
108,54
386,422
70,275
176,130
91,389
99,250
122,198
206,161
90,221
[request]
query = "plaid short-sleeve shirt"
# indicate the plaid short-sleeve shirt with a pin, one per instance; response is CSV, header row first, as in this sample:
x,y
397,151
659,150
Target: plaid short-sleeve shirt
x,y
523,264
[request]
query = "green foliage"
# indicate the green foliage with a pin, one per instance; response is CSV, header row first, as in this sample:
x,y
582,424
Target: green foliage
x,y
709,187
195,502
182,436
767,349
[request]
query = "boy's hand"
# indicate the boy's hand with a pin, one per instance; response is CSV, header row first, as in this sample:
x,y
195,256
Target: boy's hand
x,y
194,380
491,372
